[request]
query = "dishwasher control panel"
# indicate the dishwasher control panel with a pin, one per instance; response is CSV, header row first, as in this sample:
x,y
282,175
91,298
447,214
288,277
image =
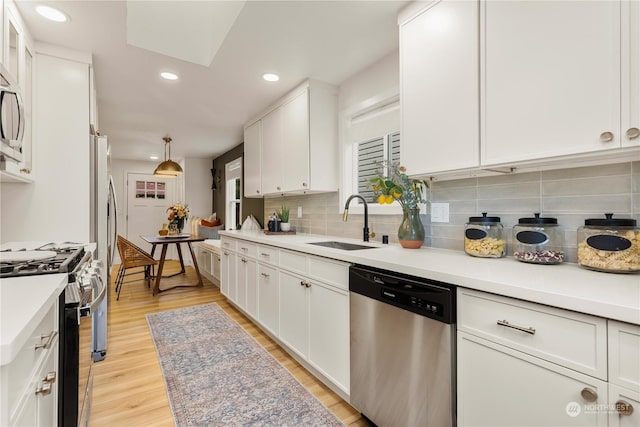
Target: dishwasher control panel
x,y
417,303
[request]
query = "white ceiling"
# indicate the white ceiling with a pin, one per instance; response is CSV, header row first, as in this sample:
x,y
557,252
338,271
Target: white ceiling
x,y
205,109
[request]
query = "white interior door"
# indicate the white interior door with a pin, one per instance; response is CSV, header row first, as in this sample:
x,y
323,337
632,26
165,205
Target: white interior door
x,y
148,198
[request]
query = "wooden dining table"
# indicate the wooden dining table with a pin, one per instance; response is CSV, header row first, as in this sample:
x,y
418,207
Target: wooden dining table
x,y
165,241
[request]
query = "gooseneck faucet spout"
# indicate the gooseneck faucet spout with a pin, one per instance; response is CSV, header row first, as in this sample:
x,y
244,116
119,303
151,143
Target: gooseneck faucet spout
x,y
365,230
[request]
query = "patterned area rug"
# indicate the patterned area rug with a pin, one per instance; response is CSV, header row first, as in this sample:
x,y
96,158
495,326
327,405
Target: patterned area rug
x,y
217,374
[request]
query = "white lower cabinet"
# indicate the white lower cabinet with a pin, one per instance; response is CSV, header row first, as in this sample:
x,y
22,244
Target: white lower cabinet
x,y
624,407
301,300
268,306
29,383
499,386
624,374
228,274
209,263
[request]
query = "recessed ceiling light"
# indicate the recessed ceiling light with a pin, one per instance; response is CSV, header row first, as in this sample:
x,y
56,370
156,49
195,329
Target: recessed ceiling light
x,y
169,76
51,13
154,157
271,77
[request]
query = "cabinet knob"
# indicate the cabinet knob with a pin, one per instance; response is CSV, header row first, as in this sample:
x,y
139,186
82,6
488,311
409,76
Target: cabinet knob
x,y
27,170
606,137
226,253
278,188
304,184
264,254
308,284
243,260
302,283
633,133
265,275
589,394
257,191
624,407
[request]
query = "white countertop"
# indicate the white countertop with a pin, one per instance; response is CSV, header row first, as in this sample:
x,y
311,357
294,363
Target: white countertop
x,y
213,244
613,296
21,303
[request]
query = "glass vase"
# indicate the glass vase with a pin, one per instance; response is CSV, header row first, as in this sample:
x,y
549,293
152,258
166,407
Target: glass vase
x,y
411,231
180,225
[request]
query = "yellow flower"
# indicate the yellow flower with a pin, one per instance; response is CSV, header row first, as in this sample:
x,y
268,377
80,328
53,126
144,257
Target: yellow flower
x,y
389,200
381,199
397,195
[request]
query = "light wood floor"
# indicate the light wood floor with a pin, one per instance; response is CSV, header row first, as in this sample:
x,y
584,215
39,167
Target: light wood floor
x,y
128,385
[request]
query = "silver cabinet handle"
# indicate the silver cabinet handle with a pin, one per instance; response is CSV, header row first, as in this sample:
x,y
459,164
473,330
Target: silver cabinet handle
x,y
50,378
27,170
47,343
302,283
265,254
606,136
243,249
44,390
264,275
308,284
516,327
226,253
624,408
257,191
589,394
633,133
243,259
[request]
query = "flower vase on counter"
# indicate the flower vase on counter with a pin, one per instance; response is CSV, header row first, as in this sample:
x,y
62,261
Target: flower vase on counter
x,y
411,231
393,185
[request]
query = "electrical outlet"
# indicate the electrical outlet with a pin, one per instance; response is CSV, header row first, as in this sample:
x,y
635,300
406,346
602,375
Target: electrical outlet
x,y
299,211
439,212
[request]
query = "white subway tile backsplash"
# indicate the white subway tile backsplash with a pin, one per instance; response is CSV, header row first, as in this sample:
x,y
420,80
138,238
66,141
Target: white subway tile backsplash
x,y
570,195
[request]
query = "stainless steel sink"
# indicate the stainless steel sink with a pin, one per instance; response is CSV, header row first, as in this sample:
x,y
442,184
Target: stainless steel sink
x,y
342,245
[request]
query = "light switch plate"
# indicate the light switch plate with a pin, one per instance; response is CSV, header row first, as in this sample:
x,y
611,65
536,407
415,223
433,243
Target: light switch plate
x,y
299,211
439,212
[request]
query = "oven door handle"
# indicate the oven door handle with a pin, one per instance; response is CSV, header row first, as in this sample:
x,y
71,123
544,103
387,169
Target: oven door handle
x,y
98,291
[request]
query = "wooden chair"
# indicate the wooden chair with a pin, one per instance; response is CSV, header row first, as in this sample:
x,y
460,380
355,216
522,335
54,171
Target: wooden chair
x,y
132,256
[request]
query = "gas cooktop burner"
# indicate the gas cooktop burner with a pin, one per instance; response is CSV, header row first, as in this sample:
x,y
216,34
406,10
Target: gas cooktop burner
x,y
29,263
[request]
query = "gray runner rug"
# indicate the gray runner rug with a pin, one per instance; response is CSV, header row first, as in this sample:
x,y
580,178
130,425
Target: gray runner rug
x,y
217,374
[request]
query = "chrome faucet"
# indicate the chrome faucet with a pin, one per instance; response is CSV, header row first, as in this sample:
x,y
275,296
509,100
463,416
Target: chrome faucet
x,y
345,215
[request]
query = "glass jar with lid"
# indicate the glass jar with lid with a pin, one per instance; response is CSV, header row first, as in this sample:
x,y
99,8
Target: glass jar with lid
x,y
609,244
538,240
483,237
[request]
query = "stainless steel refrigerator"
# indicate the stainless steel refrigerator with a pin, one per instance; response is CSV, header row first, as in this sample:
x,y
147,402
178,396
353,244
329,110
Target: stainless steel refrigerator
x,y
104,231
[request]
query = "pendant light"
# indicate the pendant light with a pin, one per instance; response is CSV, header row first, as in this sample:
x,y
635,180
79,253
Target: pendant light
x,y
168,168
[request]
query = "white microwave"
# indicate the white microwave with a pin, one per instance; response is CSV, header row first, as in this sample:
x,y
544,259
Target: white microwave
x,y
11,117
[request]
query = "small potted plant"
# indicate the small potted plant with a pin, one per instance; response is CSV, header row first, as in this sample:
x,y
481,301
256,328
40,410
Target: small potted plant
x,y
283,216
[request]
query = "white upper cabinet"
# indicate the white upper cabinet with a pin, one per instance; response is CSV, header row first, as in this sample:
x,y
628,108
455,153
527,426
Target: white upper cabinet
x,y
253,160
550,78
271,152
630,73
439,87
299,144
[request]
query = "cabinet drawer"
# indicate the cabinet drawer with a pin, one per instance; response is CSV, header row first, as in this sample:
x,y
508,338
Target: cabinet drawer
x,y
19,370
577,341
331,272
247,249
268,255
624,355
293,261
229,244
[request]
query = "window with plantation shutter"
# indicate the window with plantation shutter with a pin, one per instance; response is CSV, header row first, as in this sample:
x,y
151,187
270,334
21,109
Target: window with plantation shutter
x,y
370,155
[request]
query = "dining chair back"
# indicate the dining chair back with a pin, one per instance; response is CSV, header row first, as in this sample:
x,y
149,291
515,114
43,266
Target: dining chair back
x,y
133,257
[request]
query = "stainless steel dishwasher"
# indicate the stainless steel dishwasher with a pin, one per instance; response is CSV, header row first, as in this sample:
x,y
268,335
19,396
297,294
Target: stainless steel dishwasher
x,y
402,348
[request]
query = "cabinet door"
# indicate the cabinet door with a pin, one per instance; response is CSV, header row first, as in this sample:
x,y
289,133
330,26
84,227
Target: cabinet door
x,y
250,287
47,413
630,73
228,275
268,298
272,152
253,160
498,386
329,332
293,312
624,409
439,88
551,78
295,138
215,271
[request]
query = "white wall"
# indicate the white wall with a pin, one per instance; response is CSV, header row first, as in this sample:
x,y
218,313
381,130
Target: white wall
x,y
197,186
56,206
